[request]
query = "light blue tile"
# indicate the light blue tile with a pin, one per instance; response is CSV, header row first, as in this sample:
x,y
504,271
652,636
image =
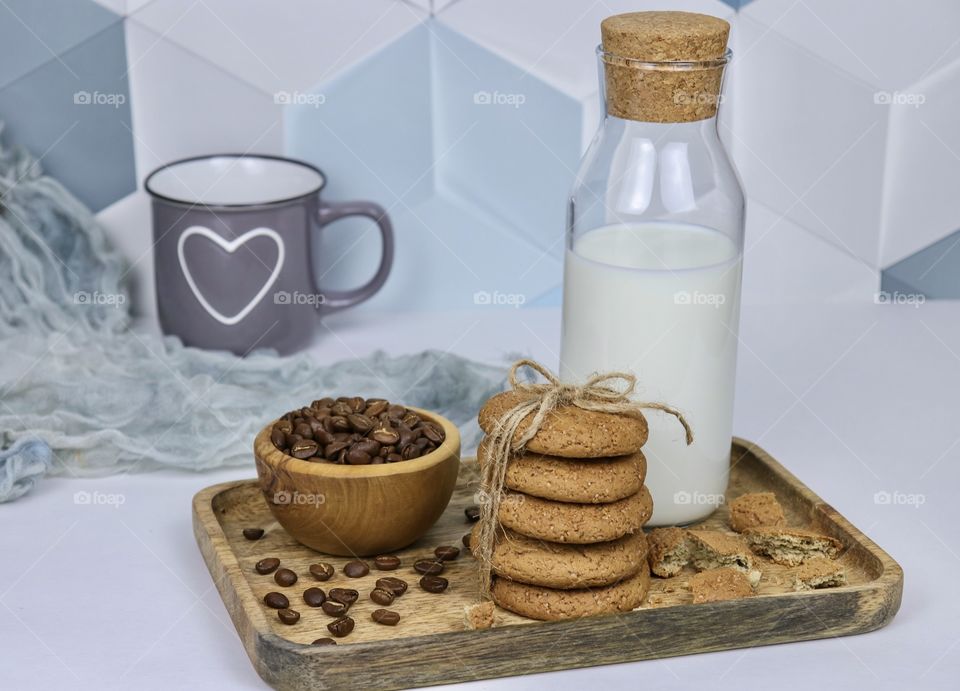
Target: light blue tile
x,y
737,4
369,131
33,32
506,141
449,256
85,145
934,271
386,131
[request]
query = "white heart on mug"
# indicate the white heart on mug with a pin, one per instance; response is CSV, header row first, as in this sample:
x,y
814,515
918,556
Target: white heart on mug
x,y
230,246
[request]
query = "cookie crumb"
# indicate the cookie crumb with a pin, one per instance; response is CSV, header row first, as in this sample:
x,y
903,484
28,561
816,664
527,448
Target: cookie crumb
x,y
478,616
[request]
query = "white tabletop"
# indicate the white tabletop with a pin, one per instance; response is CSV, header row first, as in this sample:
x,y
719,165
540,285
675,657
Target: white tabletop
x,y
854,399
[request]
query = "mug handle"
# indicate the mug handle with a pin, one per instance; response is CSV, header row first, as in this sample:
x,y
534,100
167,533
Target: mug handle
x,y
328,213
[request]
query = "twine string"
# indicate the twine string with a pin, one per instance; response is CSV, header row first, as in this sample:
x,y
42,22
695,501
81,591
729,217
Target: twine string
x,y
608,392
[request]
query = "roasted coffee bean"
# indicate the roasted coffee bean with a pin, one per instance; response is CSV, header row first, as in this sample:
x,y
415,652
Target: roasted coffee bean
x,y
381,596
339,423
345,595
447,552
370,446
335,447
397,586
253,533
341,409
285,577
385,617
289,616
466,540
341,627
358,404
472,513
334,608
385,435
325,402
357,457
428,567
276,600
375,406
304,430
410,419
314,597
268,565
278,437
360,423
321,571
434,584
393,457
432,431
304,449
386,562
409,452
324,641
356,569
284,426
396,412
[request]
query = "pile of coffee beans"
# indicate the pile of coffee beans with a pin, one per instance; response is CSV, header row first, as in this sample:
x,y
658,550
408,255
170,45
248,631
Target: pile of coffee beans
x,y
355,431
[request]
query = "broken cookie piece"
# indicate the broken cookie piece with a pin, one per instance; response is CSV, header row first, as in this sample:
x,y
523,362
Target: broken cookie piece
x,y
711,549
755,510
668,551
791,546
819,572
716,585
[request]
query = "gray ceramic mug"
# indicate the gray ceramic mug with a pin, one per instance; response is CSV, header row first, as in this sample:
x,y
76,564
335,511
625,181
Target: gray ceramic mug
x,y
232,248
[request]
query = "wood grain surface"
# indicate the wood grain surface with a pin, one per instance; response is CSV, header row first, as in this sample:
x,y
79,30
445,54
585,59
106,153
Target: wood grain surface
x,y
430,645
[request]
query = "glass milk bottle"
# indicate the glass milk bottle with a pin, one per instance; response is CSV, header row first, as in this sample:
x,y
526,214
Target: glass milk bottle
x,y
654,248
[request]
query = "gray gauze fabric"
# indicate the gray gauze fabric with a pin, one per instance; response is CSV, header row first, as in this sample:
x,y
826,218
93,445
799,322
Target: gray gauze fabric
x,y
82,394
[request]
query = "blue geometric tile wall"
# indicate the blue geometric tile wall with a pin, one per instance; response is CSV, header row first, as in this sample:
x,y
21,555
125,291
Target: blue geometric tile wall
x,y
65,95
472,158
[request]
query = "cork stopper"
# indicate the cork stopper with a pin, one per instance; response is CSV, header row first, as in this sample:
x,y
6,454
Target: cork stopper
x,y
664,66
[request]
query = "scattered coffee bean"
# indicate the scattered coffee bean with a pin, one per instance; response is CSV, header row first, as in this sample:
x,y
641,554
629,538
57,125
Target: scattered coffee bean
x,y
321,571
472,513
382,596
314,597
428,567
341,627
276,600
397,586
447,552
334,608
356,569
289,616
434,584
285,577
385,617
466,540
386,562
345,595
268,565
355,431
253,533
324,641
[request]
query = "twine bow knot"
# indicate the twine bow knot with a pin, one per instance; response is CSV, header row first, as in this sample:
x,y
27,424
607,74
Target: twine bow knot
x,y
607,392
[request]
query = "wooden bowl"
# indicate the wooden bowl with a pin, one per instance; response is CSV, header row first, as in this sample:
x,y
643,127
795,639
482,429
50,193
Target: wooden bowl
x,y
358,510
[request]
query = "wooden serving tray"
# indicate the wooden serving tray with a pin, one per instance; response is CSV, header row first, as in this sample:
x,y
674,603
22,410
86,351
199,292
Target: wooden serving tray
x,y
431,646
